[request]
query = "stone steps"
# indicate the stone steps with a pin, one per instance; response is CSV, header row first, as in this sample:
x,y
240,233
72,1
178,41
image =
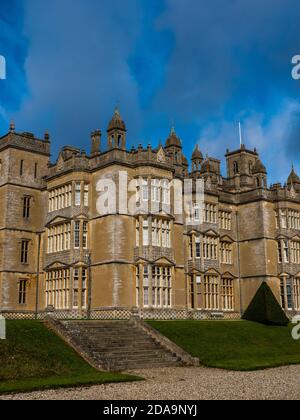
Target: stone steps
x,y
118,345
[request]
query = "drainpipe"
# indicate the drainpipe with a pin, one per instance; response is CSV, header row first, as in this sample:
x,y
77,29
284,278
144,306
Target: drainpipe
x,y
37,277
239,262
89,287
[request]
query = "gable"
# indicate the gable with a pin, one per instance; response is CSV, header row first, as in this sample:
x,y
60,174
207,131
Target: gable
x,y
212,271
281,237
58,220
56,265
228,275
163,261
161,156
226,238
211,232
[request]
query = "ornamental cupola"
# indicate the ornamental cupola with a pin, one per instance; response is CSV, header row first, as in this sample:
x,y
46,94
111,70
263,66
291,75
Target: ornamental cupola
x,y
259,171
197,159
116,132
174,147
293,178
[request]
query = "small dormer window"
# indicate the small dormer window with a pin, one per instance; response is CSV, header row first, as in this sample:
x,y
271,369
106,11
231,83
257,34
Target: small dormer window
x,y
235,168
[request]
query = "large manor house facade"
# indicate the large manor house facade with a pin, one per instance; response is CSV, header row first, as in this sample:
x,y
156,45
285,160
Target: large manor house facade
x,y
59,256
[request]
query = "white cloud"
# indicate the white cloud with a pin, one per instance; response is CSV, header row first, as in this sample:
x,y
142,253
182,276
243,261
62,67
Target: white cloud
x,y
269,136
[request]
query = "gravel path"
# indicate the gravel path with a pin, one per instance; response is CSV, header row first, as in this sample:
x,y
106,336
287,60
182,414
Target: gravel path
x,y
188,383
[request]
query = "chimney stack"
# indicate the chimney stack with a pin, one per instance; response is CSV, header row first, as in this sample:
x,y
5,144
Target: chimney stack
x,y
96,142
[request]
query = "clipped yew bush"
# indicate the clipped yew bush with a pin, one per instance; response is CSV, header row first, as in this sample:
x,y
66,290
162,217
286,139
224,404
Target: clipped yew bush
x,y
265,308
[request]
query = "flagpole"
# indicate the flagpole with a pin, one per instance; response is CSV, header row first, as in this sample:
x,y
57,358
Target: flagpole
x,y
240,132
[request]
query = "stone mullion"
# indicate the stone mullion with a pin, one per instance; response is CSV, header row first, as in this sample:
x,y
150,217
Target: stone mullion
x,y
193,250
71,288
173,282
141,285
150,285
73,193
285,292
189,291
202,252
81,240
219,294
141,239
194,292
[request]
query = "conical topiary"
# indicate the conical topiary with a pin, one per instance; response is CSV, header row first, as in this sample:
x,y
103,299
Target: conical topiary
x,y
265,308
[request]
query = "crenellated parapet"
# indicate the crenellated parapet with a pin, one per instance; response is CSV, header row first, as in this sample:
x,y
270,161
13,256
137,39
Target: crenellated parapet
x,y
25,141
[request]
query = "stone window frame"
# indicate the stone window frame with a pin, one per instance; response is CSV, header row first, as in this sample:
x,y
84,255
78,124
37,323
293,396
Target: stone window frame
x,y
26,202
147,287
22,291
24,250
225,219
287,292
226,251
57,288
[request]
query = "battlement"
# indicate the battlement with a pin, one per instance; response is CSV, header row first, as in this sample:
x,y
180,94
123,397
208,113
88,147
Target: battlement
x,y
25,141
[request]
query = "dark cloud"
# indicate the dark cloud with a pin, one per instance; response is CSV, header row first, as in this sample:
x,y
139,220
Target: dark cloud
x,y
13,46
229,55
204,64
77,67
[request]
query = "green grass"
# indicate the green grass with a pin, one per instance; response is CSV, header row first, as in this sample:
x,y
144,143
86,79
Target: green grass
x,y
235,345
34,358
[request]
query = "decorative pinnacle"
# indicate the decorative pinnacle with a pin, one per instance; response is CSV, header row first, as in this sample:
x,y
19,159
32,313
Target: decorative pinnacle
x,y
46,136
12,127
117,110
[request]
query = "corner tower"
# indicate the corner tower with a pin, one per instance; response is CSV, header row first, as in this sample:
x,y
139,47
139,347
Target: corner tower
x,y
240,164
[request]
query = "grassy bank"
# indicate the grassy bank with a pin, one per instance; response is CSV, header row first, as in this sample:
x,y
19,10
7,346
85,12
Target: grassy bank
x,y
237,345
33,357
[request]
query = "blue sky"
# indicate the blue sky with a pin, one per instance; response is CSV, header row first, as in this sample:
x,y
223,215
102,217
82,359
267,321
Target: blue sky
x,y
203,64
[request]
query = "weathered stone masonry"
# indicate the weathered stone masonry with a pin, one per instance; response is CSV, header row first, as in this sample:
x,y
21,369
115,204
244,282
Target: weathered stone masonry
x,y
59,256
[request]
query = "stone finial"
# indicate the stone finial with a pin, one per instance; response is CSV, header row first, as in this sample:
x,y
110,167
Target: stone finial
x,y
47,136
12,127
96,142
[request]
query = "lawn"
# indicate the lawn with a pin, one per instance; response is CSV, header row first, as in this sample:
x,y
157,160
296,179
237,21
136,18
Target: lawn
x,y
235,345
33,358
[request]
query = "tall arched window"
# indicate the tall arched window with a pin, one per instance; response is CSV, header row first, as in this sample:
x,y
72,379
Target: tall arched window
x,y
235,168
119,140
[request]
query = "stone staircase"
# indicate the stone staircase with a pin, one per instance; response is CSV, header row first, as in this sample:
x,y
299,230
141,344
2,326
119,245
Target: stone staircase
x,y
116,345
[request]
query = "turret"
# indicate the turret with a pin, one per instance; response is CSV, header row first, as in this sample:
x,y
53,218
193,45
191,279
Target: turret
x,y
116,132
